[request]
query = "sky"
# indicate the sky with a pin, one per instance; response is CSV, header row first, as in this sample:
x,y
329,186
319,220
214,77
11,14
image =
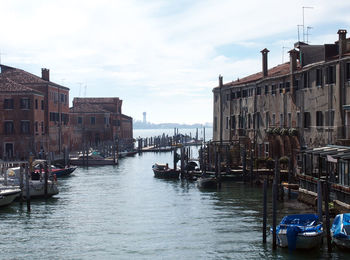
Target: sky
x,y
160,57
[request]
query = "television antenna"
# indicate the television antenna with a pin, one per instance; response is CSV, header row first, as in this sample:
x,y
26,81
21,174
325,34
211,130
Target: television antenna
x,y
305,7
307,33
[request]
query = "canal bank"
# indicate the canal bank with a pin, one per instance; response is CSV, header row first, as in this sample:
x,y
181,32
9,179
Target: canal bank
x,y
123,212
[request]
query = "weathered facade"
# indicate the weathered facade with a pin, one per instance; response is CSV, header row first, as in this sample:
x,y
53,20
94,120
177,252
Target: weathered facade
x,y
302,103
34,114
96,121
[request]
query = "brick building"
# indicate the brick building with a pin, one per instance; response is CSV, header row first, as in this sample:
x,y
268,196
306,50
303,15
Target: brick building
x,y
97,121
299,104
33,112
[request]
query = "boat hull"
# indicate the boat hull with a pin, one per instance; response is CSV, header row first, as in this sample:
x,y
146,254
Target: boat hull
x,y
7,198
166,174
304,240
207,183
63,172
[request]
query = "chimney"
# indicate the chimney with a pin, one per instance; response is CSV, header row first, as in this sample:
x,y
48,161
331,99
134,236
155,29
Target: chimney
x,y
220,81
264,61
293,55
45,74
342,42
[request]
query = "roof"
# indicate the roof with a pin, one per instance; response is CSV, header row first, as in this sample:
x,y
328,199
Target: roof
x,y
280,70
24,77
8,85
96,100
88,108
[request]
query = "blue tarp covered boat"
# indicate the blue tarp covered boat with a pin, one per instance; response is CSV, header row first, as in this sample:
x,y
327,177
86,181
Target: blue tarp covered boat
x,y
340,231
300,231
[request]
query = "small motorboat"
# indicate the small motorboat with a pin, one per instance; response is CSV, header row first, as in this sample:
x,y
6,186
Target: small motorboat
x,y
300,231
36,183
163,171
294,189
8,194
207,182
340,231
59,171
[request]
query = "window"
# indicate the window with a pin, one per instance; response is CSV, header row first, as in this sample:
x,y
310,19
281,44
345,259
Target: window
x,y
25,127
281,87
228,97
258,91
36,127
287,86
233,95
8,103
281,120
54,116
266,89
289,120
273,89
348,71
42,127
42,105
80,120
36,104
319,77
8,127
25,103
64,118
227,122
319,118
298,119
330,74
62,98
233,122
307,120
239,94
266,149
296,84
306,79
258,120
273,119
249,120
267,120
92,120
245,93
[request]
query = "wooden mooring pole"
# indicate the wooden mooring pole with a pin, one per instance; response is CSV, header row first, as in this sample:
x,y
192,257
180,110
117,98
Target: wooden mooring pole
x,y
319,199
265,211
27,188
274,213
326,207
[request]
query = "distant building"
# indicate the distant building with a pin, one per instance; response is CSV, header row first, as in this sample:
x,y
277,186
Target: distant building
x,y
303,103
97,121
33,112
144,117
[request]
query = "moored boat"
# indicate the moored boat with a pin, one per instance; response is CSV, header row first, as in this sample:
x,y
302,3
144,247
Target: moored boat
x,y
164,172
55,169
8,195
299,231
294,189
207,182
340,231
36,183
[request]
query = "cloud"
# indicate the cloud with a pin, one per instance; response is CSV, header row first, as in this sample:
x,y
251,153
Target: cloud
x,y
159,55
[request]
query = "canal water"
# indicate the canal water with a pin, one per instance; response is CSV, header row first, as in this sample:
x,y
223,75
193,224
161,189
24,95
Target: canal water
x,y
123,212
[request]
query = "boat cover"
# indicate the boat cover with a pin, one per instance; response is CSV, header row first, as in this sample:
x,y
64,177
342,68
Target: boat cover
x,y
341,226
299,223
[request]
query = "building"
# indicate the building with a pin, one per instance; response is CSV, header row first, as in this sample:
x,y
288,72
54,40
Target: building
x,y
300,104
97,121
34,114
